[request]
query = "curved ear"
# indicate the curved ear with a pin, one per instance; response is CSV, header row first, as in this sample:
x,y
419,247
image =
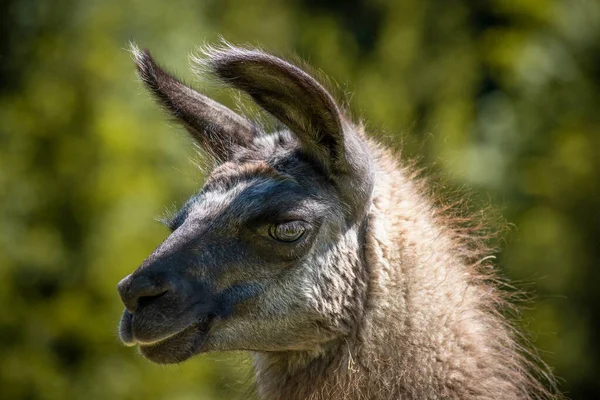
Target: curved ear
x,y
215,127
289,94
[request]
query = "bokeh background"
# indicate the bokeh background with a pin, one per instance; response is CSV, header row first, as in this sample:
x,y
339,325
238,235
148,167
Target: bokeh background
x,y
500,96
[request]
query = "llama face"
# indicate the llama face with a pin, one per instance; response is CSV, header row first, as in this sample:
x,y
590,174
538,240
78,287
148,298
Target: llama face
x,y
264,256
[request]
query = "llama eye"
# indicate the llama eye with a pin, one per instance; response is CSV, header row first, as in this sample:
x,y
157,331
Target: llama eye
x,y
287,232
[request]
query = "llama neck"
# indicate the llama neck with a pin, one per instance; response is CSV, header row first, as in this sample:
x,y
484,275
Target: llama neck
x,y
429,329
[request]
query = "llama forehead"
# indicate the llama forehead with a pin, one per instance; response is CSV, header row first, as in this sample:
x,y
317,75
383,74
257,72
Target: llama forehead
x,y
273,168
248,191
231,174
237,196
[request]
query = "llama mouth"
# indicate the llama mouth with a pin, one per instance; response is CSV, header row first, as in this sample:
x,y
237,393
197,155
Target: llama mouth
x,y
179,347
174,348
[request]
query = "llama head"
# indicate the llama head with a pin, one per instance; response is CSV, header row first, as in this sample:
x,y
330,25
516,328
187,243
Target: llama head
x,y
266,256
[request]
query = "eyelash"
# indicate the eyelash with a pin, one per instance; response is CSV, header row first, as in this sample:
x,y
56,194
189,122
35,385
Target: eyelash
x,y
277,231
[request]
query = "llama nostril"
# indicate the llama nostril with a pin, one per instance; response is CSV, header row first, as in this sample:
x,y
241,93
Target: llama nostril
x,y
139,291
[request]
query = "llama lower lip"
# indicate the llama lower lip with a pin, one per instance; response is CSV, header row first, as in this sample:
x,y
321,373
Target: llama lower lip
x,y
179,347
127,336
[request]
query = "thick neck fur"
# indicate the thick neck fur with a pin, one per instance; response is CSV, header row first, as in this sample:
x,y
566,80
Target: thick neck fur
x,y
430,326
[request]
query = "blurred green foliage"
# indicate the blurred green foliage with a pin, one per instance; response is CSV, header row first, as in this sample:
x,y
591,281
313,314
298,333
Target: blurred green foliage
x,y
503,95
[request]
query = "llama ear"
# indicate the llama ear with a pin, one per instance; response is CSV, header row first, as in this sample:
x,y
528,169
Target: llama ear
x,y
289,94
215,127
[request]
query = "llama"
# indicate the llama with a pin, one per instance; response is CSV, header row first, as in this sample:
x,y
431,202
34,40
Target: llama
x,y
313,248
